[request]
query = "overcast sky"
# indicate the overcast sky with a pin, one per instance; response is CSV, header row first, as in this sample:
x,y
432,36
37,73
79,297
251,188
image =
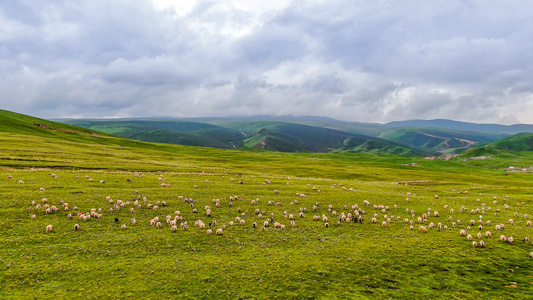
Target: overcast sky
x,y
354,60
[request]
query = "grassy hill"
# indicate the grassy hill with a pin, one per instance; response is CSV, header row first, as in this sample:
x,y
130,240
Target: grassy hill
x,y
293,134
267,134
516,143
456,125
443,140
171,132
345,259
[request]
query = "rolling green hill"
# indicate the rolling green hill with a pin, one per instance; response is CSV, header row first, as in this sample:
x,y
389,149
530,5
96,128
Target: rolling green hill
x,y
520,142
293,134
442,140
456,125
269,135
170,132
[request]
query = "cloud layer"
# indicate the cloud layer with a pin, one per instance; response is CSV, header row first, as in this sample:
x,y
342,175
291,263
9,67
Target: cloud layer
x,y
364,60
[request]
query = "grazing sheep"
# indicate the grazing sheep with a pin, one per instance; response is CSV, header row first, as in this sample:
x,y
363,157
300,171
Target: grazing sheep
x,y
76,227
33,217
462,232
474,244
510,240
503,238
123,226
469,237
423,229
383,224
511,221
174,228
479,235
219,231
48,228
488,234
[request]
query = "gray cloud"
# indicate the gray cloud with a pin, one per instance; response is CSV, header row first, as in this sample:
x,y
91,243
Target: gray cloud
x,y
353,60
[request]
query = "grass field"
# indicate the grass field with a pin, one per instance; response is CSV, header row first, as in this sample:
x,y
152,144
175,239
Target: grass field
x,y
350,260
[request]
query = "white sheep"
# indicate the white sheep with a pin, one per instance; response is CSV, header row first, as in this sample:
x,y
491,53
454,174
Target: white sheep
x,y
48,228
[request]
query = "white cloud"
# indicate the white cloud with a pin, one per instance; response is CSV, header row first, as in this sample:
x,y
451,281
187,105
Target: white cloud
x,y
362,60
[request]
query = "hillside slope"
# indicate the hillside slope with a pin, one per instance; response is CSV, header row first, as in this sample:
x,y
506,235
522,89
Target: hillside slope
x,y
170,132
439,139
456,125
269,135
521,142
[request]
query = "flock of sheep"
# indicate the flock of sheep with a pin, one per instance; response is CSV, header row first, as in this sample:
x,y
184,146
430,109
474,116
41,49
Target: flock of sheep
x,y
262,218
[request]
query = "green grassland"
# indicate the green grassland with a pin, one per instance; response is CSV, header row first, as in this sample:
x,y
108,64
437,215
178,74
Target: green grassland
x,y
310,261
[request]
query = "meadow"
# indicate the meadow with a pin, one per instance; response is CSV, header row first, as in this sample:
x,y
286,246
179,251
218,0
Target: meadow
x,y
350,260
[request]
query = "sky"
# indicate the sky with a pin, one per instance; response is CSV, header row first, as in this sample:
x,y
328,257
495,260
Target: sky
x,y
353,60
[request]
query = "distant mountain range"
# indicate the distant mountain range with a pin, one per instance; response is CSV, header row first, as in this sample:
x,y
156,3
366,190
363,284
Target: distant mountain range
x,y
304,134
235,134
456,125
308,134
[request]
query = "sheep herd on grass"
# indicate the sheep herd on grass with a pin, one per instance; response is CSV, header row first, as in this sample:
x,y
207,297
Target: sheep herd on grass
x,y
341,214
